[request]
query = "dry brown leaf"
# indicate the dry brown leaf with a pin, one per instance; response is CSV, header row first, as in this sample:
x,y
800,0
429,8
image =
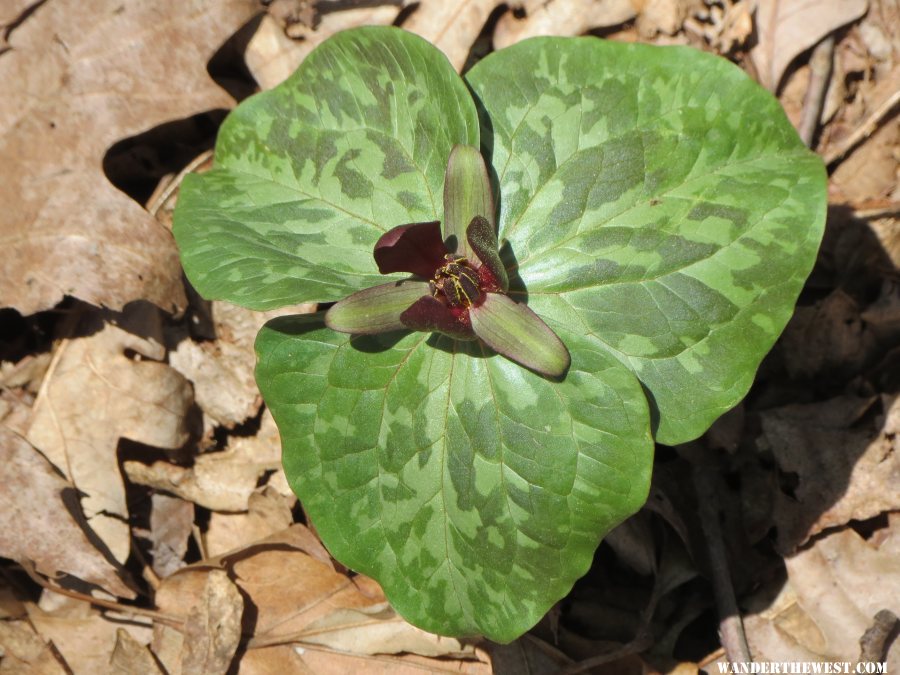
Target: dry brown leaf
x,y
96,395
827,339
12,10
561,17
296,596
213,627
661,16
268,512
78,78
130,657
171,524
22,651
833,591
222,370
272,55
221,481
787,28
844,473
85,638
35,524
452,27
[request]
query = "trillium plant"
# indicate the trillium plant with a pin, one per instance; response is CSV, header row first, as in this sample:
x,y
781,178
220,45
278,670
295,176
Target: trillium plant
x,y
526,276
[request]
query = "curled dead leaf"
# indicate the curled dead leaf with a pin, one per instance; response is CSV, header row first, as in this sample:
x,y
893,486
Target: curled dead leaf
x,y
67,100
97,395
36,524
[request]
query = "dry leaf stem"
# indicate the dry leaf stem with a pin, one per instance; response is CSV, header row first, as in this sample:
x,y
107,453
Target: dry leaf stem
x,y
864,130
127,610
820,66
158,201
731,627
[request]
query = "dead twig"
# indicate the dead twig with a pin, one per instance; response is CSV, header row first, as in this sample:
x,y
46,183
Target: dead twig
x,y
820,66
127,610
640,642
874,643
864,130
731,626
160,200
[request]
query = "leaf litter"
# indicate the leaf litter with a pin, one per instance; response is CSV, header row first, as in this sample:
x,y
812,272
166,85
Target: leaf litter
x,y
142,478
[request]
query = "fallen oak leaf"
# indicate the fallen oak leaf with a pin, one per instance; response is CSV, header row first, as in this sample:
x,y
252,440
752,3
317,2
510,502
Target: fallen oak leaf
x,y
561,17
36,526
452,27
213,627
112,70
787,28
95,396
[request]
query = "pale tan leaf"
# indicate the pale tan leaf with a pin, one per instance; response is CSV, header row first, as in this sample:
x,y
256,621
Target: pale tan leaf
x,y
452,27
833,591
95,396
171,524
378,629
213,627
299,599
786,28
79,77
85,638
35,524
130,657
219,481
272,55
661,16
561,17
268,512
222,370
22,651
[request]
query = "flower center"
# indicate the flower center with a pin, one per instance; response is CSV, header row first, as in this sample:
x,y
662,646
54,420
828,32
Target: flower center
x,y
458,281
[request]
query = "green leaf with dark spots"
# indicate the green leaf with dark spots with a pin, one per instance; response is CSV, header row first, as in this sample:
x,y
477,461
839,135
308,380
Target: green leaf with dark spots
x,y
657,200
474,490
308,175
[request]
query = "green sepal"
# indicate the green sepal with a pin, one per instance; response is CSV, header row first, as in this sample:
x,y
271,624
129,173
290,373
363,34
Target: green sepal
x,y
510,328
482,238
467,193
376,309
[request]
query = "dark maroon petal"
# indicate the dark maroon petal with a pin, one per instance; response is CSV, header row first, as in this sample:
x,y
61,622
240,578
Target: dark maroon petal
x,y
416,248
483,242
430,314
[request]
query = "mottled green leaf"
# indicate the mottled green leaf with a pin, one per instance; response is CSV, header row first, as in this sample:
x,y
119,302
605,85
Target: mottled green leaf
x,y
657,200
474,490
310,174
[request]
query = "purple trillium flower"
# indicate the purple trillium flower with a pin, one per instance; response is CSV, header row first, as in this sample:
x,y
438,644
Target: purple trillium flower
x,y
461,293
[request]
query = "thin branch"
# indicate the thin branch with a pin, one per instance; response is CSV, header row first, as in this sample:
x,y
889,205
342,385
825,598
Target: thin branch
x,y
127,610
864,130
640,642
159,201
731,627
820,66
